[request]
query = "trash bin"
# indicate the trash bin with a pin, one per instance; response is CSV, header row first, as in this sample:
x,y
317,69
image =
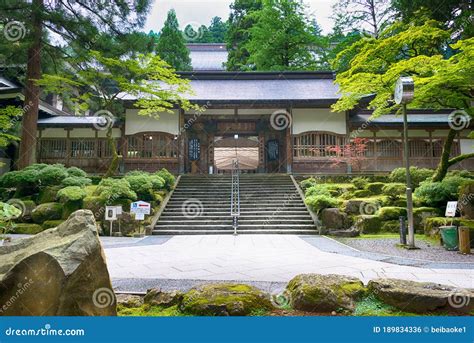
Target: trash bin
x,y
449,235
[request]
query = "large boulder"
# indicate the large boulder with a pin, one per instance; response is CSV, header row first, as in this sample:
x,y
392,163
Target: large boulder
x,y
422,297
333,219
157,297
224,300
368,224
325,293
58,272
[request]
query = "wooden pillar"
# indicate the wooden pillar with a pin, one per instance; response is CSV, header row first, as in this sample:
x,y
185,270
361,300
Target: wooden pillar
x,y
375,159
181,143
261,151
289,143
68,146
430,135
38,146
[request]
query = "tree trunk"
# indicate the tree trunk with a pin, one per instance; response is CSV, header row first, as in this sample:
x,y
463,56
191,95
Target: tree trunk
x,y
444,164
32,91
115,156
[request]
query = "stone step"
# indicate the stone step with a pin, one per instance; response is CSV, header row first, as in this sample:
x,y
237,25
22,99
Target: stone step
x,y
242,222
231,231
241,227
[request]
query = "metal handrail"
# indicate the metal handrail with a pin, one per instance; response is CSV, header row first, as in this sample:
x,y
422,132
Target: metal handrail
x,y
235,196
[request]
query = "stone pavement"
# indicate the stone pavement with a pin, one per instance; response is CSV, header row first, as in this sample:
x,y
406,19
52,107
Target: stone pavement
x,y
254,258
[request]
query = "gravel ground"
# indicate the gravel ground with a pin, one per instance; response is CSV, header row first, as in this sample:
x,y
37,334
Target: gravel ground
x,y
427,251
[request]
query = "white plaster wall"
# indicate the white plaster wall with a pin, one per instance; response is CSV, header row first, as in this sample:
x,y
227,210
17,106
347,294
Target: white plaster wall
x,y
54,133
167,122
467,146
82,133
318,119
116,133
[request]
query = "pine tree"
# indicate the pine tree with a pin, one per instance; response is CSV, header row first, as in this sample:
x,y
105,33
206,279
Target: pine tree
x,y
281,38
171,44
217,30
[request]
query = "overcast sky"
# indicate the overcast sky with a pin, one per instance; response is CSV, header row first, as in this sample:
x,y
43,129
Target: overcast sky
x,y
200,12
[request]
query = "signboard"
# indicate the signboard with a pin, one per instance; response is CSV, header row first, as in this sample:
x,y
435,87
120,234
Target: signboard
x,y
139,216
194,151
140,207
451,208
273,150
111,212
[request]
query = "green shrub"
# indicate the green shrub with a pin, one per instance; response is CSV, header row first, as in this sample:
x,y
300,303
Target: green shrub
x,y
96,204
461,173
417,175
8,213
158,182
421,214
70,194
141,185
74,171
27,228
48,211
391,226
320,189
52,175
79,181
360,182
362,193
321,201
375,187
391,213
110,189
438,193
394,190
167,177
368,224
307,183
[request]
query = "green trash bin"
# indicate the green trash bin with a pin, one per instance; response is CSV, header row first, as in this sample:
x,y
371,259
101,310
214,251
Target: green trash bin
x,y
449,235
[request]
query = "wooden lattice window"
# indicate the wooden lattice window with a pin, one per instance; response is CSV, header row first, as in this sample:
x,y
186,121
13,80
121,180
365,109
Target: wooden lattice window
x,y
152,145
53,148
316,144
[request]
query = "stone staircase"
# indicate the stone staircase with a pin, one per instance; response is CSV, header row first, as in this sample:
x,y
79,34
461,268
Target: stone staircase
x,y
269,203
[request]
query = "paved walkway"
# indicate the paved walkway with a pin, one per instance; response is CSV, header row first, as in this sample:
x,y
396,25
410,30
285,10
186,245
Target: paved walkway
x,y
254,258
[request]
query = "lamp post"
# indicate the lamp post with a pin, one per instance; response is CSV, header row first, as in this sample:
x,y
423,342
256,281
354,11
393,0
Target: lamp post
x,y
404,92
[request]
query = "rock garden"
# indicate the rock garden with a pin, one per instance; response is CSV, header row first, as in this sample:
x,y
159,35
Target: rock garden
x,y
373,205
46,195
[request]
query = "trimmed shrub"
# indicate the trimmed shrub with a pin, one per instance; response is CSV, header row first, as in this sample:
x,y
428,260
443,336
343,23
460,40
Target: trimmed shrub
x,y
375,187
417,175
71,194
157,182
319,202
391,226
74,171
167,177
307,183
320,189
48,211
79,181
438,193
391,213
52,175
461,173
360,182
27,228
362,193
112,189
394,190
141,185
368,224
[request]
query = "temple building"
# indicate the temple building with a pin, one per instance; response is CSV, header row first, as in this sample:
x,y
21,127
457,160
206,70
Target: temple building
x,y
272,122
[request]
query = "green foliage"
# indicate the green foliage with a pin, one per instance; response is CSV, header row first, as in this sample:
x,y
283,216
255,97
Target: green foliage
x,y
360,182
167,177
171,44
391,213
321,201
319,189
141,185
394,190
9,118
77,172
280,38
76,181
7,214
306,183
96,204
52,175
71,193
375,187
438,193
110,189
417,175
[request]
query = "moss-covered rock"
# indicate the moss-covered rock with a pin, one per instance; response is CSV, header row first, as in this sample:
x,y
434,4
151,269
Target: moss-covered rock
x,y
27,228
333,219
368,224
391,213
375,187
70,207
391,226
48,224
157,297
421,214
325,293
47,211
224,300
48,194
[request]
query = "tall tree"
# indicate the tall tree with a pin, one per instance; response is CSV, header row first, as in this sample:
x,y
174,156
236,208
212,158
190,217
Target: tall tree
x,y
238,33
281,38
217,30
415,50
371,16
172,46
78,22
455,14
